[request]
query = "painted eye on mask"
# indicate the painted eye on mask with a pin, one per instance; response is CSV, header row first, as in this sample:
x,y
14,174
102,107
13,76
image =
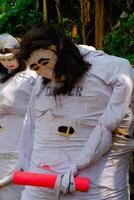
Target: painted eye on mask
x,y
2,59
33,66
10,59
36,68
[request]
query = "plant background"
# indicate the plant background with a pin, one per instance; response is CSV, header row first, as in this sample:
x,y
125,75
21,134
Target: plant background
x,y
77,19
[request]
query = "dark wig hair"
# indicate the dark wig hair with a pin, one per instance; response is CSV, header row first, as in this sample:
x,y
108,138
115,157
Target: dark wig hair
x,y
70,63
4,74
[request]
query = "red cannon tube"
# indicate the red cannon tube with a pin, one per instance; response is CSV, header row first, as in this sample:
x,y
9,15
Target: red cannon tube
x,y
46,180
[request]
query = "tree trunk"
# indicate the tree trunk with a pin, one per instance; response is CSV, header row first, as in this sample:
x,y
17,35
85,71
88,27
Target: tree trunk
x,y
58,9
45,10
99,22
85,5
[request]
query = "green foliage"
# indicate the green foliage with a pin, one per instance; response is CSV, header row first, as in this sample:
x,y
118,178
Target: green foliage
x,y
16,18
67,25
120,41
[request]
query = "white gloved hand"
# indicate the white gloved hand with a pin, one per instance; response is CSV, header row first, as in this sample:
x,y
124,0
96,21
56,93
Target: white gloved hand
x,y
64,184
8,178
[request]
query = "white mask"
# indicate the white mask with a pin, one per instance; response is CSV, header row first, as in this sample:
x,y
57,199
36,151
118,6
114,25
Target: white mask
x,y
9,61
43,61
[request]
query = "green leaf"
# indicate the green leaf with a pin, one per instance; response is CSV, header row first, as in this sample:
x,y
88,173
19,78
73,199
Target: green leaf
x,y
20,4
2,3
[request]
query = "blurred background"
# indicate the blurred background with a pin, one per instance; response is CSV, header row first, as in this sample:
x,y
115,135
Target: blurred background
x,y
104,24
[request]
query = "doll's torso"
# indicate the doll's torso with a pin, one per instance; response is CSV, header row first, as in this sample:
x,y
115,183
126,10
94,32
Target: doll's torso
x,y
14,97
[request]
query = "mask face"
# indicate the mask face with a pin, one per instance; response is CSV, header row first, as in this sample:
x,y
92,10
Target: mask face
x,y
43,61
9,61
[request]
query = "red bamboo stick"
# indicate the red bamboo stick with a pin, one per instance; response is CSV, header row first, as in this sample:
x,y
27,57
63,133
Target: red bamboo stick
x,y
46,180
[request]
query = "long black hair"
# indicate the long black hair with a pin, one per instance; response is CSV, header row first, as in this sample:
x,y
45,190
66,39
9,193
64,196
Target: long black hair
x,y
70,63
4,73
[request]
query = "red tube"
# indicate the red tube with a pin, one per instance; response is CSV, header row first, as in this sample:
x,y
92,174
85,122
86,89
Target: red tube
x,y
46,180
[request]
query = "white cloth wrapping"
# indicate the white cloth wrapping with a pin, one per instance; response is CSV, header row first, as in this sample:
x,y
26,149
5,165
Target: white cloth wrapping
x,y
14,97
100,141
97,145
102,104
64,183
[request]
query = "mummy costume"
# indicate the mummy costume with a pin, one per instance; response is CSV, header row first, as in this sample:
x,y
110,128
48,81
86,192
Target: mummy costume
x,y
14,97
86,132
